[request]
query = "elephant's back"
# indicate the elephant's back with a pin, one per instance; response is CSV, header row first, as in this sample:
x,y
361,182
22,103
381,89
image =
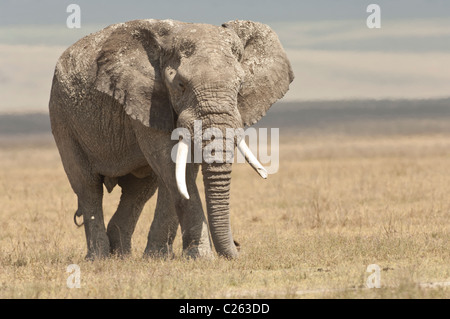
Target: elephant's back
x,y
76,68
77,108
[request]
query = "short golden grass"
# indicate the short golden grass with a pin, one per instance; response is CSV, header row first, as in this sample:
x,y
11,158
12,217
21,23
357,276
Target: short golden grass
x,y
336,205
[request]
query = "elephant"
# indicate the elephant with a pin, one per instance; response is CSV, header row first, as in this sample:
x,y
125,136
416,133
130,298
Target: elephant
x,y
119,93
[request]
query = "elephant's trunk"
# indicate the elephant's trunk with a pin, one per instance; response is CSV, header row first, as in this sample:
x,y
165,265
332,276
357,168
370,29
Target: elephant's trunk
x,y
216,178
217,182
216,174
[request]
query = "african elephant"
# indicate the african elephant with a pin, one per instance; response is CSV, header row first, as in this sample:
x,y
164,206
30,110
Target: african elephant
x,y
117,95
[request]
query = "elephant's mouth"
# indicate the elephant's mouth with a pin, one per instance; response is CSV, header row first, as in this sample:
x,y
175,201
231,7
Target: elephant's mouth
x,y
181,160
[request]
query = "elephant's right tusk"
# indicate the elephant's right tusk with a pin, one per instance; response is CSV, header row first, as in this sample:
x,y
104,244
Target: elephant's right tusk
x,y
180,168
251,159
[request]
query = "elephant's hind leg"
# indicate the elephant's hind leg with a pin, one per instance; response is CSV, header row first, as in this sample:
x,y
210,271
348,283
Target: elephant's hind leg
x,y
135,193
89,189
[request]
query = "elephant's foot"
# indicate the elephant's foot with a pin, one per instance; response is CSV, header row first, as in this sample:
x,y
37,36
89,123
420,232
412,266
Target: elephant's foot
x,y
164,251
120,242
195,252
100,251
98,246
196,242
121,249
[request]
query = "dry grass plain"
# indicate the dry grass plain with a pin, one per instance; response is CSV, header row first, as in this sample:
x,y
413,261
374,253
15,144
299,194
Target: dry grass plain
x,y
337,204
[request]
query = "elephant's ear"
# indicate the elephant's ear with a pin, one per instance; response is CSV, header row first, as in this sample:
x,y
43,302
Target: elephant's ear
x,y
128,70
268,72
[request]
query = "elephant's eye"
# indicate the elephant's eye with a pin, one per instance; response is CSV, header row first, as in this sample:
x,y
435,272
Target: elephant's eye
x,y
181,86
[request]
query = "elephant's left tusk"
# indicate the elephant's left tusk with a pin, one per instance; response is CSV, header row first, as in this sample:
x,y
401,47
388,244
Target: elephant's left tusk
x,y
251,159
180,168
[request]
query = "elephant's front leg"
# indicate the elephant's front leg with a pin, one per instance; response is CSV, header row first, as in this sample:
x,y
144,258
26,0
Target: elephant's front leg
x,y
164,226
157,147
172,210
194,226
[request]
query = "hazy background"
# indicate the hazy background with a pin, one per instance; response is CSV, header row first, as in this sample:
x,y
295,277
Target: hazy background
x,y
335,56
364,159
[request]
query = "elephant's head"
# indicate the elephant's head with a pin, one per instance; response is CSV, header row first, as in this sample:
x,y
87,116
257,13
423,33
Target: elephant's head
x,y
167,74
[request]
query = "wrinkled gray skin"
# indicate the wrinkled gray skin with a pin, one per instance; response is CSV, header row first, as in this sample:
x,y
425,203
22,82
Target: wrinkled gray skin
x,y
117,94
